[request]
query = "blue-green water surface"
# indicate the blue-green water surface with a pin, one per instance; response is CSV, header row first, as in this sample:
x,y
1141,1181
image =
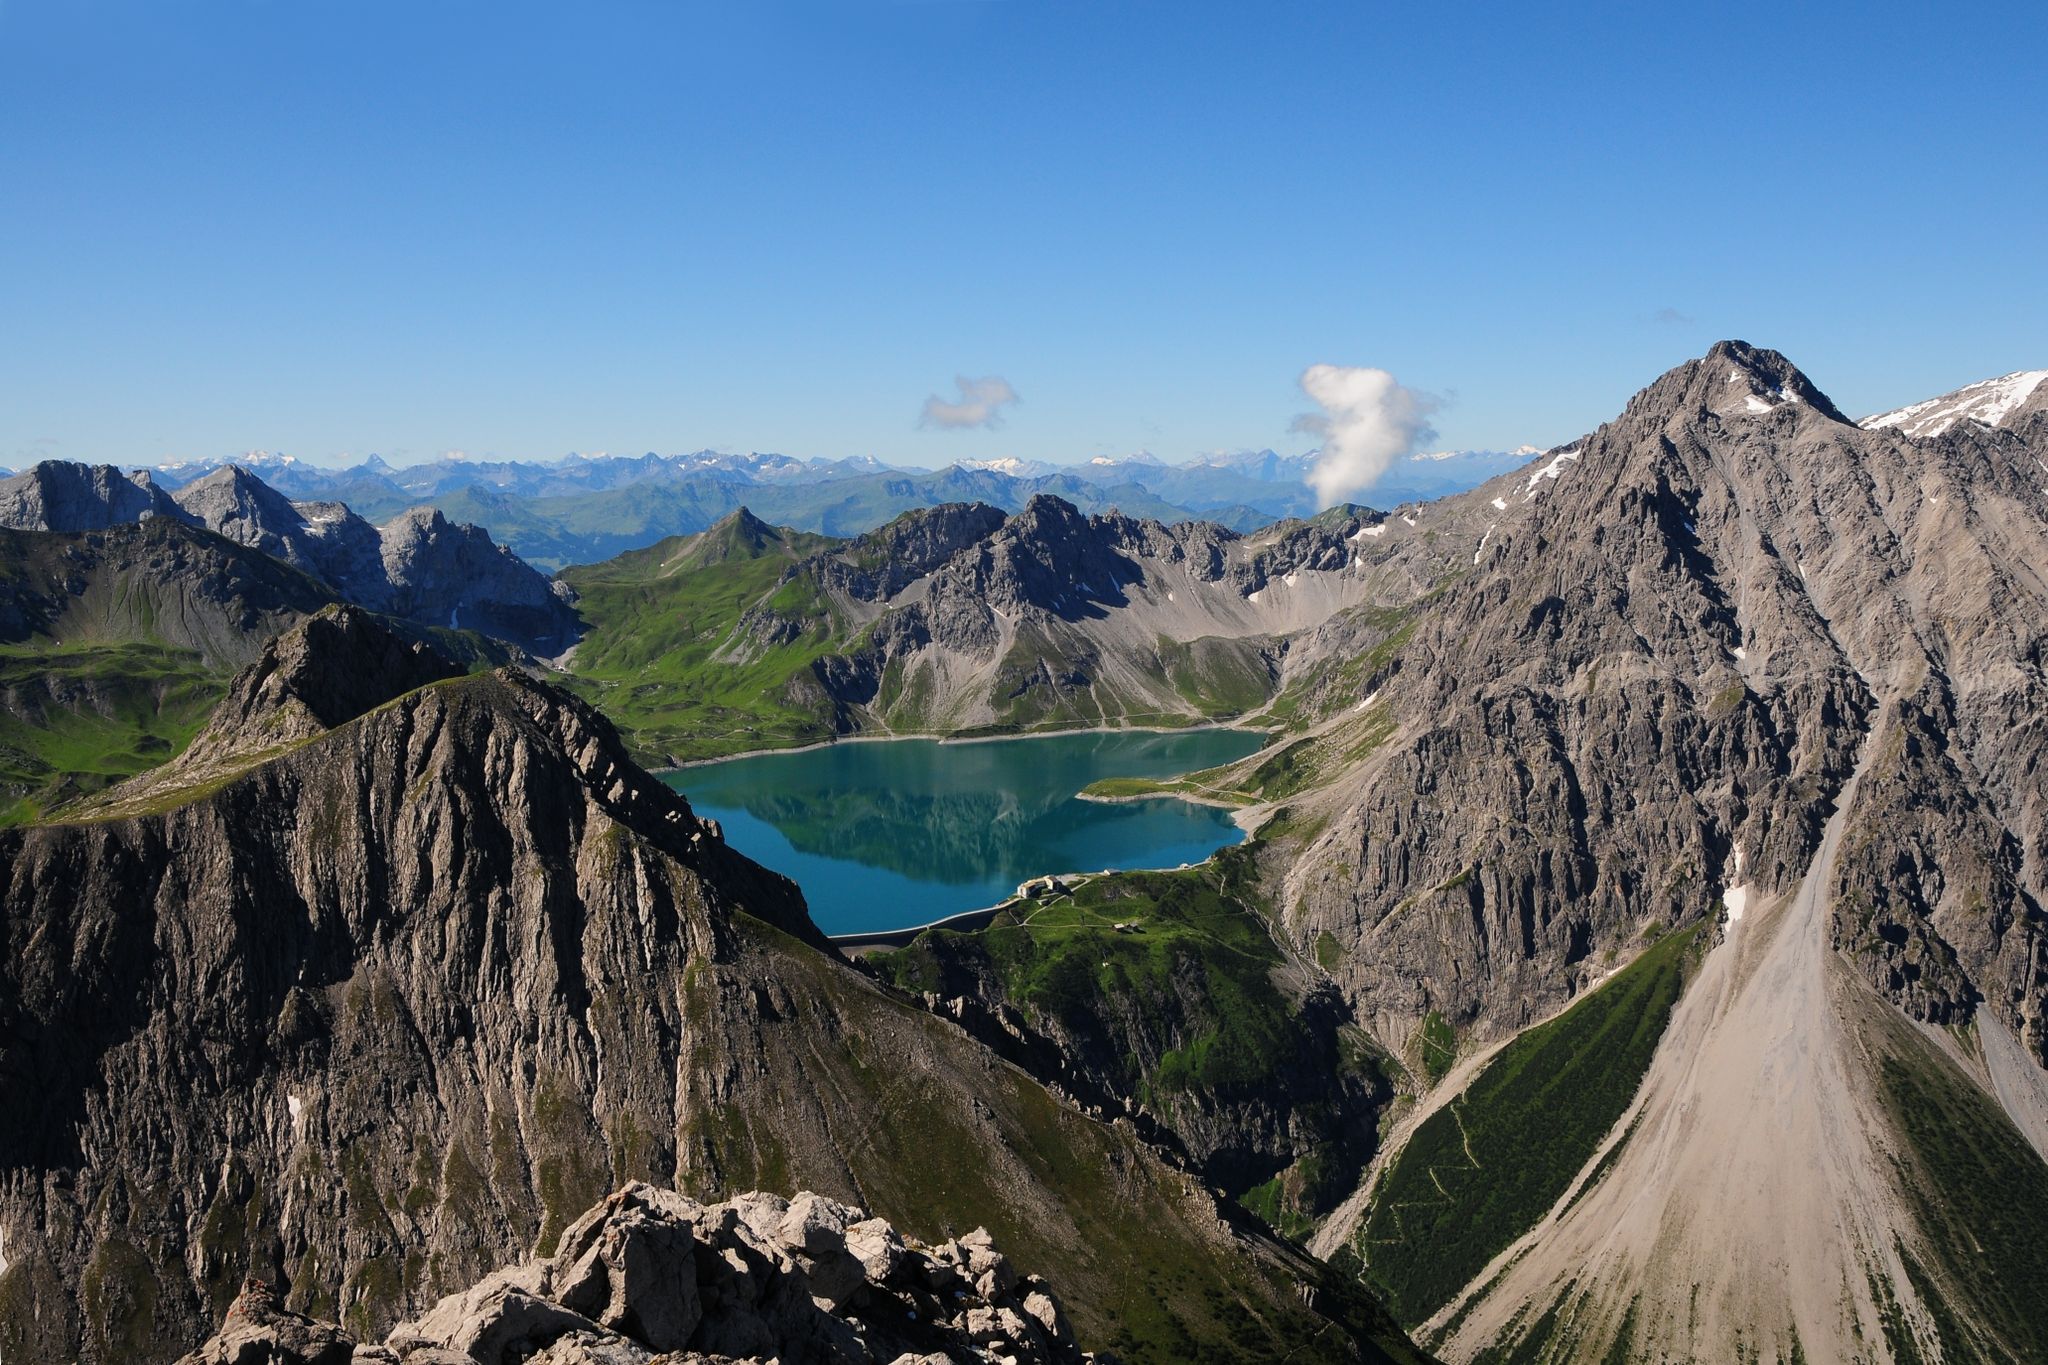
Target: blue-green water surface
x,y
894,833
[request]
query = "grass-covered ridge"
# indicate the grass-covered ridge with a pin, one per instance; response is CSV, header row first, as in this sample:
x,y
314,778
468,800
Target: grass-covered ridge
x,y
1486,1167
1979,1193
666,660
1165,987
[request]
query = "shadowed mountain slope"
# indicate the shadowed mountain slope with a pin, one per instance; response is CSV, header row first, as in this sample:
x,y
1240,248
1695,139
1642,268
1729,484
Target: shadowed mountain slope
x,y
369,1004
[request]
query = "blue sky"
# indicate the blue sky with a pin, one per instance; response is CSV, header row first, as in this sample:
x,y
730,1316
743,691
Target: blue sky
x,y
333,228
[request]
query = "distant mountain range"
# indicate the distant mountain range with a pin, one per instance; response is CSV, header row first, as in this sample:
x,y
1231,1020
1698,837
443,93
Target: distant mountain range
x,y
583,509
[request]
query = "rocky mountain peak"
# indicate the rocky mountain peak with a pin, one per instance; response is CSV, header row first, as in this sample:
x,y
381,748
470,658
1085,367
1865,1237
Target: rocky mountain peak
x,y
58,495
738,534
324,672
235,503
1046,513
444,573
1734,381
882,562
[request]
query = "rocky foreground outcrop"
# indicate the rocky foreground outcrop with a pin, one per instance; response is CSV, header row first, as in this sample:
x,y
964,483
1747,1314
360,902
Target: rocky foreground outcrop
x,y
652,1275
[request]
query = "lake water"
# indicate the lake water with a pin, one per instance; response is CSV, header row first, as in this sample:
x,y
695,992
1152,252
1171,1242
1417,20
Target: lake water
x,y
894,833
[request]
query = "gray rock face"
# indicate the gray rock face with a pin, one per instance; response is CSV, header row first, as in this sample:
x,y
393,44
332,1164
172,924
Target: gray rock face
x,y
421,567
959,617
1647,680
376,947
438,573
260,1330
158,580
651,1273
59,496
883,562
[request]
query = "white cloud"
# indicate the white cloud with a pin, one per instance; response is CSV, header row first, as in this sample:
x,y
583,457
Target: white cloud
x,y
1368,421
981,404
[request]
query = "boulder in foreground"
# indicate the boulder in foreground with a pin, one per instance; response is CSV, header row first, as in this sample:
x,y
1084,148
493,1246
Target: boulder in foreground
x,y
652,1276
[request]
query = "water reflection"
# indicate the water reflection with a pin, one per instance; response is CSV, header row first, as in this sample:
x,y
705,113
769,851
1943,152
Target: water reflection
x,y
905,831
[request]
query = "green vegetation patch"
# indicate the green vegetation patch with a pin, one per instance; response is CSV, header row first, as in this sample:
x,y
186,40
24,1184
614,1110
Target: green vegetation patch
x,y
1141,1271
1978,1191
1483,1169
668,659
84,717
1182,938
1163,985
1218,677
1439,1046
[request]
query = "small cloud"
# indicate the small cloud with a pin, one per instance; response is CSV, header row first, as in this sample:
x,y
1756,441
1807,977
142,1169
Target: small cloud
x,y
1368,420
1671,317
981,404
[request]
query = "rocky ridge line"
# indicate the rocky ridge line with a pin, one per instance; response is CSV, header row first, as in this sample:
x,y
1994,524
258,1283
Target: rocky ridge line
x,y
652,1276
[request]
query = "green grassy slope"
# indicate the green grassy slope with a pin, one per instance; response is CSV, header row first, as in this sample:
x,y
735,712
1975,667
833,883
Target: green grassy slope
x,y
1164,987
659,619
80,718
853,1090
1482,1170
1979,1193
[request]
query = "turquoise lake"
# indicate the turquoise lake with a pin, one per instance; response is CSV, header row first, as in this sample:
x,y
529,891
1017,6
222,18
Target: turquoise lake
x,y
895,833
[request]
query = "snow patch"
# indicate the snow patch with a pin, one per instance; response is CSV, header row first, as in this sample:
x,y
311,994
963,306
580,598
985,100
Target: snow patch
x,y
1362,532
1551,470
1405,517
1368,701
1741,653
1735,900
1289,579
1253,597
1500,504
1989,401
298,1113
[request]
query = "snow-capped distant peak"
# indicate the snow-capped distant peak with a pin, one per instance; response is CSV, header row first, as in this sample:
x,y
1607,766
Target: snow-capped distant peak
x,y
1989,401
1441,456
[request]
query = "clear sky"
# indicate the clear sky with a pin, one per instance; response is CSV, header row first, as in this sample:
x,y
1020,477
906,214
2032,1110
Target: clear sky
x,y
330,228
